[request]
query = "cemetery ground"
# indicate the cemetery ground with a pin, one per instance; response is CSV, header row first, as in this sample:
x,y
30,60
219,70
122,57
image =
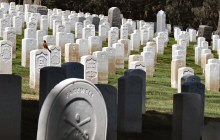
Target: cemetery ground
x,y
157,122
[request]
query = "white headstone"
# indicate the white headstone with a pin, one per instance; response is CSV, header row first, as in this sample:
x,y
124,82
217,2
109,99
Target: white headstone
x,y
72,52
90,68
138,65
111,52
30,33
83,47
119,55
212,76
112,38
39,38
103,32
17,24
3,24
215,42
144,36
94,44
10,35
160,45
78,30
133,58
55,56
61,41
135,41
50,39
102,59
44,26
161,21
5,57
38,59
70,38
28,44
124,32
148,58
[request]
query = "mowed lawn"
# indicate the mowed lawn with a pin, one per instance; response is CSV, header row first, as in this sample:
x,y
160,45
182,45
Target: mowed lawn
x,y
159,95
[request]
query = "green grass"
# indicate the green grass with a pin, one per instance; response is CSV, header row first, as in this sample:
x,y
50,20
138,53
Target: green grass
x,y
159,92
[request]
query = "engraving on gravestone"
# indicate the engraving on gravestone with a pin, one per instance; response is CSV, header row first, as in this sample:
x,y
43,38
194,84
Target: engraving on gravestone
x,y
140,66
91,71
74,109
55,59
6,50
41,61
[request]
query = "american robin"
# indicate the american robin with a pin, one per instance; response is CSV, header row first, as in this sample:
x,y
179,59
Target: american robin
x,y
45,46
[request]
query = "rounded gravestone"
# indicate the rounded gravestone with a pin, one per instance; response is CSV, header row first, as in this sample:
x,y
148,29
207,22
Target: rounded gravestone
x,y
74,110
114,17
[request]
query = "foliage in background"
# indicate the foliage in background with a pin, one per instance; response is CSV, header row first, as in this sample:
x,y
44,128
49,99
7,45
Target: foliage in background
x,y
187,13
207,13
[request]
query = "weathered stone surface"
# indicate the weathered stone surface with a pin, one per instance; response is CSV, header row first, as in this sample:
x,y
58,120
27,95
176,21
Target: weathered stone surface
x,y
74,109
205,31
114,17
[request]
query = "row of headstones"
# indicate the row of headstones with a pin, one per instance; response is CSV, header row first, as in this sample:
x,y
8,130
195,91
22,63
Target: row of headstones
x,y
93,105
179,52
42,56
209,65
95,108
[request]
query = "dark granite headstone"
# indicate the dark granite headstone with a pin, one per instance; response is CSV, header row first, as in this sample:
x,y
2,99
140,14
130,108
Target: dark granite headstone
x,y
42,10
73,110
49,78
192,84
205,31
73,70
81,19
110,96
130,104
114,17
187,116
95,21
10,107
142,75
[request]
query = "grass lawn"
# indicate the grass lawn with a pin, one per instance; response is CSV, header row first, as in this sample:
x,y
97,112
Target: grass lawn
x,y
159,95
159,92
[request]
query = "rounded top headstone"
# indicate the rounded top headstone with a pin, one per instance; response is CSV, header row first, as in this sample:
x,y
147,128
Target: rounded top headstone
x,y
74,109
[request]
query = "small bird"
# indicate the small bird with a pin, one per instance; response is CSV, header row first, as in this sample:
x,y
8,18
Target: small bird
x,y
45,46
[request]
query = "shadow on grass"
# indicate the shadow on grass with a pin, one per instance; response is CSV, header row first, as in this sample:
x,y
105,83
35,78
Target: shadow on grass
x,y
155,125
29,119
